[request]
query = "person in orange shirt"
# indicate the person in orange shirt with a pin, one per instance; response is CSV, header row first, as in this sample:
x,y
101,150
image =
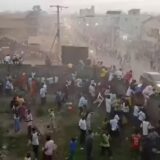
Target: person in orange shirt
x,y
23,82
33,90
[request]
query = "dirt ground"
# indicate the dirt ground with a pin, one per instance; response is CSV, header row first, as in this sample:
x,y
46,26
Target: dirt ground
x,y
67,127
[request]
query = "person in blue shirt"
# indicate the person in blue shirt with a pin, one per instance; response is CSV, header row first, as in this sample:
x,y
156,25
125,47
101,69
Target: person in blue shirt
x,y
17,122
72,148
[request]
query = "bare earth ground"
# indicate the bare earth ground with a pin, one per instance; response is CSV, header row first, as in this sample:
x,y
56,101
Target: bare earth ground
x,y
67,127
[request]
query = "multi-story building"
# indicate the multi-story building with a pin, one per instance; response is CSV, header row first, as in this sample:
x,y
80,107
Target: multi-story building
x,y
150,36
87,12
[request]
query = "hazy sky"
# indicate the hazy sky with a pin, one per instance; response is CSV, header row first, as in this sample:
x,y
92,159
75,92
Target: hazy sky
x,y
101,5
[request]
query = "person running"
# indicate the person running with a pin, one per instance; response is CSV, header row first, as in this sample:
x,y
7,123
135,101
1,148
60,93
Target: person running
x,y
72,148
29,120
82,104
145,125
35,143
83,129
9,87
105,144
135,144
49,148
52,118
43,93
114,126
17,122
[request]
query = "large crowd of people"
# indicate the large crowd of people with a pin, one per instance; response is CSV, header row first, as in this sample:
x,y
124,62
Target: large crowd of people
x,y
97,91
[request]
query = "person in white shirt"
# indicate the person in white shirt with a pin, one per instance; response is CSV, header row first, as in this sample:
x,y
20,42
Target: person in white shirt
x,y
45,86
29,120
56,79
136,111
35,143
49,148
117,117
78,82
141,116
50,80
119,74
83,102
33,74
92,90
114,126
43,95
147,92
83,128
108,104
8,87
7,59
145,125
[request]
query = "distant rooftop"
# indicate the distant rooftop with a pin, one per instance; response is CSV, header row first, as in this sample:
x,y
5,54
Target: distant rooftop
x,y
134,11
153,73
114,12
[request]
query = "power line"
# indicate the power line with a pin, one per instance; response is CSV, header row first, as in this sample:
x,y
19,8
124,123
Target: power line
x,y
58,33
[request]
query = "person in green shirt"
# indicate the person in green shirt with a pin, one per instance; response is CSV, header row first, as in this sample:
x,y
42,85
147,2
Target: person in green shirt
x,y
105,144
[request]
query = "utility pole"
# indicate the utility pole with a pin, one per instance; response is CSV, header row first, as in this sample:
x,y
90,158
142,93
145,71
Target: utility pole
x,y
58,34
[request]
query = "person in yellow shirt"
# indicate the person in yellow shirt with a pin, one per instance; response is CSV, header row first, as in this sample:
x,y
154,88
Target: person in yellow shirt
x,y
52,118
103,73
105,144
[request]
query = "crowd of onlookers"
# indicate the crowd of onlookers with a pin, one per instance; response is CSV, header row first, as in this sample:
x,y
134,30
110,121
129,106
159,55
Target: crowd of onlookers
x,y
99,91
14,59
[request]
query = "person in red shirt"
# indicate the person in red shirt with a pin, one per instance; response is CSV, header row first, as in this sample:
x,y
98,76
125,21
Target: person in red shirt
x,y
128,77
135,145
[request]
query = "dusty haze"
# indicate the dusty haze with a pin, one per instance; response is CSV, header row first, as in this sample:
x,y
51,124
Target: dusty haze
x,y
101,5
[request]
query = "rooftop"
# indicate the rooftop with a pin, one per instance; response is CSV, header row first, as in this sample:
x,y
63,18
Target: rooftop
x,y
153,73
